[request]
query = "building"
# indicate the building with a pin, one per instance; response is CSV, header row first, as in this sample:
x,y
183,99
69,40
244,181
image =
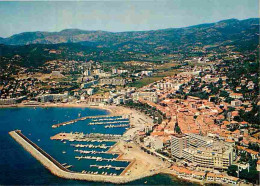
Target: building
x,y
167,85
199,141
258,165
202,151
87,73
148,96
119,100
88,84
11,101
90,91
52,97
236,103
119,71
56,74
147,73
97,99
218,157
178,143
153,142
113,81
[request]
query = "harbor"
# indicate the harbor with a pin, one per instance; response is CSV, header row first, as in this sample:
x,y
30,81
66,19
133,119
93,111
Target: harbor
x,y
95,146
96,119
114,152
59,170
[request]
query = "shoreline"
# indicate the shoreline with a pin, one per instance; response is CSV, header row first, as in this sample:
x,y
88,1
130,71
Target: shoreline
x,y
112,109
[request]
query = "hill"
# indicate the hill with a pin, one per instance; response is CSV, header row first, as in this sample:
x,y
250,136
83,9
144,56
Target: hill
x,y
237,35
227,31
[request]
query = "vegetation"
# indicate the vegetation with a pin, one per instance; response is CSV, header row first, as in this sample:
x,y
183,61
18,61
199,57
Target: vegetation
x,y
148,110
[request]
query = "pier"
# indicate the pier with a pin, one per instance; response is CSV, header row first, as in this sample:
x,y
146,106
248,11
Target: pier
x,y
91,146
107,122
112,118
107,167
117,126
94,158
81,119
93,137
92,152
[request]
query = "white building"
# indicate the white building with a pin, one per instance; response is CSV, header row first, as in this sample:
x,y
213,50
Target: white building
x,y
154,142
149,96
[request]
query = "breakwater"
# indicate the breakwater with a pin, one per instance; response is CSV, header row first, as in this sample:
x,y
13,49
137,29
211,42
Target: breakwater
x,y
59,170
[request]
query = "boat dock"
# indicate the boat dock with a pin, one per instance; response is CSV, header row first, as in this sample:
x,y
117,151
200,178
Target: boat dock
x,y
92,152
107,122
91,146
81,119
95,158
107,167
117,126
93,137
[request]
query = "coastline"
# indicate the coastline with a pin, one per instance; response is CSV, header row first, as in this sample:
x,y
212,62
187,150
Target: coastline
x,y
115,110
112,109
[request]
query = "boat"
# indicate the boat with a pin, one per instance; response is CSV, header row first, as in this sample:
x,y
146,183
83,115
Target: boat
x,y
63,152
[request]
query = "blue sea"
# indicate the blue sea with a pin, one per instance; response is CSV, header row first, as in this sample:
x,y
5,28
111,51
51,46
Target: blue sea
x,y
18,167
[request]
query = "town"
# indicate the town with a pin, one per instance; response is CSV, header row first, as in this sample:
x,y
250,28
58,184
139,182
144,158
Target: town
x,y
205,110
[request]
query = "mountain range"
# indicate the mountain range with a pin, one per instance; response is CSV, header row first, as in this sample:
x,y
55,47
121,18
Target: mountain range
x,y
231,34
231,30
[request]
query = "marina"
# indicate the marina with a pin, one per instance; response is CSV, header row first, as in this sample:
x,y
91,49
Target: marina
x,y
91,146
58,169
92,152
101,118
60,149
94,158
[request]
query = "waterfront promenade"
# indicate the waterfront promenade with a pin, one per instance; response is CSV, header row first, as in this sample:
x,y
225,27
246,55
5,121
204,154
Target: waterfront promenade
x,y
57,169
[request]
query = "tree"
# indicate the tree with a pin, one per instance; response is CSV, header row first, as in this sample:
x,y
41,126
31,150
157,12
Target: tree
x,y
232,170
177,128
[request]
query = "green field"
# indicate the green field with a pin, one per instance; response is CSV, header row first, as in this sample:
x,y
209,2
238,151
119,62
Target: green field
x,y
147,80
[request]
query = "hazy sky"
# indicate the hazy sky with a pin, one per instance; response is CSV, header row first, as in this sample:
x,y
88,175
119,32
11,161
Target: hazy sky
x,y
16,17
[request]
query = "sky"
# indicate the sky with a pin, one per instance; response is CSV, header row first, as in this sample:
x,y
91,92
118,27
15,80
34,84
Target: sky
x,y
118,15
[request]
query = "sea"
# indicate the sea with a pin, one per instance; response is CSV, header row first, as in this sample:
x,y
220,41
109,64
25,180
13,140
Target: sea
x,y
18,167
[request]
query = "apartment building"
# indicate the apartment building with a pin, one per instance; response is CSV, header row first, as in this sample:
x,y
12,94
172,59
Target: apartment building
x,y
202,151
199,141
179,142
148,96
113,81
